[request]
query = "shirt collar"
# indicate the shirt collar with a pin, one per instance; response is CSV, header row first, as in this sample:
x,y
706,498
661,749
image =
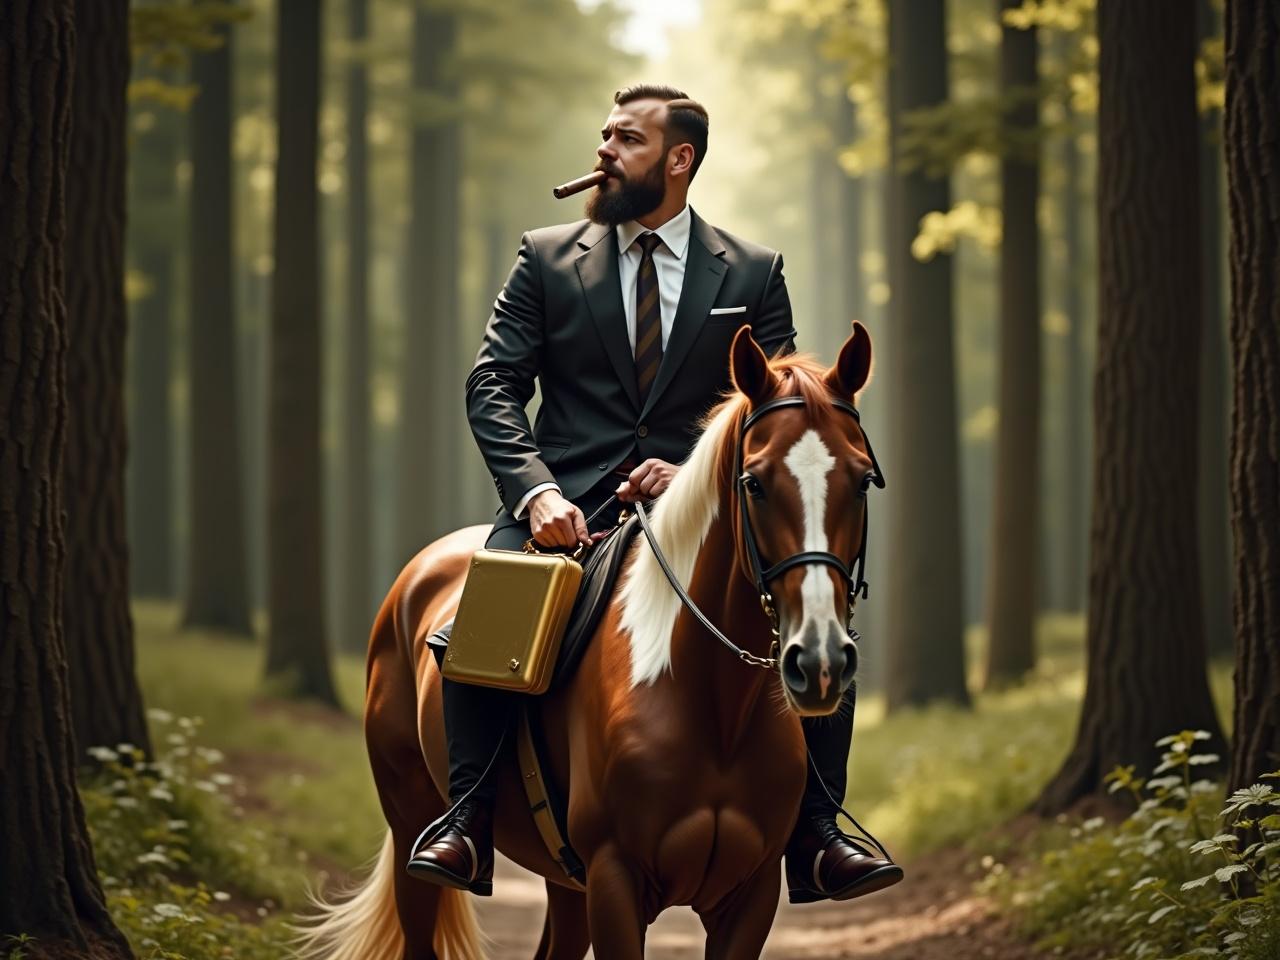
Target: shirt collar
x,y
674,233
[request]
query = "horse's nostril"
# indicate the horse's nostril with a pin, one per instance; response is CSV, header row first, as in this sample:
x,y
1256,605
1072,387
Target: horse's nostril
x,y
850,651
792,672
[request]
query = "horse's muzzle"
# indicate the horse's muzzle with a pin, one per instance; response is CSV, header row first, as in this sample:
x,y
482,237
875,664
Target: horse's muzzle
x,y
817,668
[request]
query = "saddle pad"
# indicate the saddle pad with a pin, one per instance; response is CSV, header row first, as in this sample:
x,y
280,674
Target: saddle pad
x,y
599,575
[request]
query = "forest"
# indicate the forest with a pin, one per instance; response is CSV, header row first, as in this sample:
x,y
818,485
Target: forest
x,y
248,249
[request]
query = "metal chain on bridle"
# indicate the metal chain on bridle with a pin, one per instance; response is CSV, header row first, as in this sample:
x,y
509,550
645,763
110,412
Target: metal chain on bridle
x,y
853,574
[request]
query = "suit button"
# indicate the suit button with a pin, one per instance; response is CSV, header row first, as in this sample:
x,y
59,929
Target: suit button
x,y
602,466
642,431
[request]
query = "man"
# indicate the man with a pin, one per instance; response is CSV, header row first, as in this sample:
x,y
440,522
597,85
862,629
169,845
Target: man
x,y
625,319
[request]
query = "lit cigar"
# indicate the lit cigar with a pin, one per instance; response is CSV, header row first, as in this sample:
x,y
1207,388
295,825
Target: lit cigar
x,y
592,179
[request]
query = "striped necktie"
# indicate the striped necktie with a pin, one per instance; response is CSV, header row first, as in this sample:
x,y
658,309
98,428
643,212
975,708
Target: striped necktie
x,y
648,317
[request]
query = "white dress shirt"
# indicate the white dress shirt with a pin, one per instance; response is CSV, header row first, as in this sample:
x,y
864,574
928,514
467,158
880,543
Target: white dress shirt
x,y
669,260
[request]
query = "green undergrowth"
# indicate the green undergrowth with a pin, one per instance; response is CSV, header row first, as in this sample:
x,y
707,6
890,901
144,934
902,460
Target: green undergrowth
x,y
1187,874
186,876
941,776
208,850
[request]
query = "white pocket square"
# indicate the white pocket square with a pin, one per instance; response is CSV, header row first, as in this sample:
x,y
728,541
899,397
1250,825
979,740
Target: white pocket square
x,y
720,311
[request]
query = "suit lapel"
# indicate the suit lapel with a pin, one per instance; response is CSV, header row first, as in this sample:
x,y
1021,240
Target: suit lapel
x,y
598,272
703,275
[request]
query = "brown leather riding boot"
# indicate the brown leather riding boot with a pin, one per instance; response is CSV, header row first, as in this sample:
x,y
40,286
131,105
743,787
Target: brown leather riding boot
x,y
461,853
824,864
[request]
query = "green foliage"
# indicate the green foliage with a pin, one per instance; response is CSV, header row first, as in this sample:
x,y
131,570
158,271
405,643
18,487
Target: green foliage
x,y
1185,875
178,861
162,36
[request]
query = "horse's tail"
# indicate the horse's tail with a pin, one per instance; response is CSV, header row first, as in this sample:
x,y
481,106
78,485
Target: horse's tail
x,y
362,923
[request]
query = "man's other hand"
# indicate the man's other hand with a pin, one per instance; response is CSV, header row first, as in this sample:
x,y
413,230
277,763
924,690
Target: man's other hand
x,y
650,479
555,522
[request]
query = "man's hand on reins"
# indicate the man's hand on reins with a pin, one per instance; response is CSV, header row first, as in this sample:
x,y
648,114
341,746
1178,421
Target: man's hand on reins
x,y
555,522
650,479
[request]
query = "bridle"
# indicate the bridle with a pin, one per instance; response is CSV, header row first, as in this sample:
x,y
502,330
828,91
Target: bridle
x,y
852,574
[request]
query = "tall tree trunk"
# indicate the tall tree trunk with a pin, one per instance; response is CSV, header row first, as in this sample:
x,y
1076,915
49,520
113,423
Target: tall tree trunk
x,y
1253,180
153,204
431,411
297,652
1011,618
217,578
358,599
1145,645
51,888
1215,523
926,655
829,329
1075,536
853,302
106,702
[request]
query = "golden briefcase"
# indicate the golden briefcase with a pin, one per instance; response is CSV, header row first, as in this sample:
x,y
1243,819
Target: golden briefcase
x,y
511,618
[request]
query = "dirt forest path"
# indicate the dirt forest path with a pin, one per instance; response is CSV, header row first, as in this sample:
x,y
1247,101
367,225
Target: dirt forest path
x,y
931,915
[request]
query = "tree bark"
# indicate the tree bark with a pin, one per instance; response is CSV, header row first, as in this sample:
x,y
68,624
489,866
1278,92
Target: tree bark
x,y
1145,644
853,302
926,655
1076,442
1253,181
217,579
51,888
1215,522
106,702
431,410
152,211
358,598
297,651
1011,618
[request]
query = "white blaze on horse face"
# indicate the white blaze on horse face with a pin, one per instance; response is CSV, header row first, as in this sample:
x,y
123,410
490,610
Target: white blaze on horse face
x,y
810,461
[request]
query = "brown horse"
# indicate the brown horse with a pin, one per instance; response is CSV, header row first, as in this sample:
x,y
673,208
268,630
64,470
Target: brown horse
x,y
683,765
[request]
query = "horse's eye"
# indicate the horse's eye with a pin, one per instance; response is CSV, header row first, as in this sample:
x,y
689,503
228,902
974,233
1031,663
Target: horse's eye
x,y
752,486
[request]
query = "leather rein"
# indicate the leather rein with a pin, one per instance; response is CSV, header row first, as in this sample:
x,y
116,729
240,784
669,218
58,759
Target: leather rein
x,y
855,582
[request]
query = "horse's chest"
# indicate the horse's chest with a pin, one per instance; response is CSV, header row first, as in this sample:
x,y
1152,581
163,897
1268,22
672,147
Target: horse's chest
x,y
700,824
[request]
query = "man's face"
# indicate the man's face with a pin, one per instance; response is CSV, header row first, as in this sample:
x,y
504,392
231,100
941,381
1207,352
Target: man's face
x,y
633,154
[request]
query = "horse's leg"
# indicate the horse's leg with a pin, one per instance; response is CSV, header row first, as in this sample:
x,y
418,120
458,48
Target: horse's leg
x,y
564,933
614,909
738,927
409,800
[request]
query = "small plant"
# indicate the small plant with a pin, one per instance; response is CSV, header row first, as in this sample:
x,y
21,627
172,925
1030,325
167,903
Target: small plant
x,y
174,853
1187,874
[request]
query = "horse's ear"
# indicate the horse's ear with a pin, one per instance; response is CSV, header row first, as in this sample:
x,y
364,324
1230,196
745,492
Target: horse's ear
x,y
853,366
749,366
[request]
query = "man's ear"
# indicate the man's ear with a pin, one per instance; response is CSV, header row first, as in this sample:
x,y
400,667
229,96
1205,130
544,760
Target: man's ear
x,y
853,366
749,367
681,156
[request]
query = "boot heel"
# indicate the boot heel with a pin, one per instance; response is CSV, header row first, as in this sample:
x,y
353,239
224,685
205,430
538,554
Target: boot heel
x,y
482,888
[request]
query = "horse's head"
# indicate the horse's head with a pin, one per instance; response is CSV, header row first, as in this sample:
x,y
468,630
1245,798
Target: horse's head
x,y
803,469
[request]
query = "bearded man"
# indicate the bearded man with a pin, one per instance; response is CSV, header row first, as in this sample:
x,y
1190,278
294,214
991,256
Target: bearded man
x,y
624,319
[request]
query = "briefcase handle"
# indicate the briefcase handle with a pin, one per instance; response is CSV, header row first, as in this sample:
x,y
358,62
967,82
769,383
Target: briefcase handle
x,y
531,545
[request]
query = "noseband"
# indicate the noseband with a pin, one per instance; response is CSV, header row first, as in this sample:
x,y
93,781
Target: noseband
x,y
855,583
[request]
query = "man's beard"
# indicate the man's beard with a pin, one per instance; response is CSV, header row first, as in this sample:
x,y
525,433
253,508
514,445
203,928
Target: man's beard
x,y
629,200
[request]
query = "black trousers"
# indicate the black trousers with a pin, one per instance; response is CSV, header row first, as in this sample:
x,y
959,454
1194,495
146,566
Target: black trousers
x,y
475,717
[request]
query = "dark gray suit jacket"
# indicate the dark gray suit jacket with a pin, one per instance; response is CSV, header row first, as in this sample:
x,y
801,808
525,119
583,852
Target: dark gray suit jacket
x,y
559,318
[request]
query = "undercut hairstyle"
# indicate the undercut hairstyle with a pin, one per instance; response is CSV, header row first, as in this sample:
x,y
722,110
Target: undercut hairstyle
x,y
687,119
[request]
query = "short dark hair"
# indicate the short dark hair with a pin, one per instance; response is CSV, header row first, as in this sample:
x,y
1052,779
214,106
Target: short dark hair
x,y
687,119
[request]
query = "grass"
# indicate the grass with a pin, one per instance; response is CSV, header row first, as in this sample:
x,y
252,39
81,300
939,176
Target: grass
x,y
922,779
304,768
